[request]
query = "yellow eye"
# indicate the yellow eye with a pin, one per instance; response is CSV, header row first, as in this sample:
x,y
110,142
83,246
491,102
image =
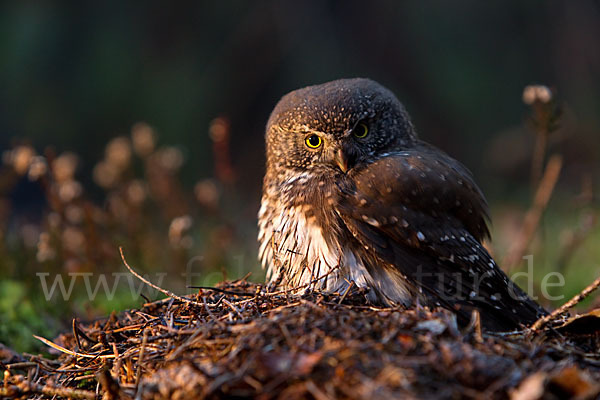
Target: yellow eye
x,y
361,130
313,141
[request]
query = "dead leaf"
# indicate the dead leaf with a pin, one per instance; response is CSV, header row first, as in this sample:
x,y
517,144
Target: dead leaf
x,y
585,324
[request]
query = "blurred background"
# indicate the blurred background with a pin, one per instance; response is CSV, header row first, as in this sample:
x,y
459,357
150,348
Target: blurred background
x,y
142,126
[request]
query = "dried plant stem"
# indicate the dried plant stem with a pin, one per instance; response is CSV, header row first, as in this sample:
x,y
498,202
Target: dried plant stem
x,y
28,388
222,291
152,285
534,215
569,304
109,385
70,352
537,160
234,308
304,286
475,326
138,374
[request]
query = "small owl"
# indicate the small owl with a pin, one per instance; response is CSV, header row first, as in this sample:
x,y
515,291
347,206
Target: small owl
x,y
351,196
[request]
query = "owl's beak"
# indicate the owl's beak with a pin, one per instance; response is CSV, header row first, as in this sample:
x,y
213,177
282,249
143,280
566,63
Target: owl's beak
x,y
341,160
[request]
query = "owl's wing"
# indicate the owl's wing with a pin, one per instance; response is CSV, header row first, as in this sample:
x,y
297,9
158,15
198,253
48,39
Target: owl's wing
x,y
420,212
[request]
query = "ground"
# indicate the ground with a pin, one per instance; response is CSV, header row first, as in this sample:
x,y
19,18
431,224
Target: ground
x,y
240,340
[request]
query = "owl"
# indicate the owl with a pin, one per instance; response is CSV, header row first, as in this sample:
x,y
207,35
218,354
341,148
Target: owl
x,y
352,197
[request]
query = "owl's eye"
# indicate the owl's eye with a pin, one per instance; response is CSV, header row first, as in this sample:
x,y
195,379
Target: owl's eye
x,y
361,130
313,141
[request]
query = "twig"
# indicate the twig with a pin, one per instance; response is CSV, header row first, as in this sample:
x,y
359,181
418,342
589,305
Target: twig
x,y
138,373
533,216
234,308
118,361
243,278
475,326
15,391
71,352
152,285
234,293
184,346
346,292
76,336
537,159
81,333
291,289
20,365
545,117
110,385
211,315
569,304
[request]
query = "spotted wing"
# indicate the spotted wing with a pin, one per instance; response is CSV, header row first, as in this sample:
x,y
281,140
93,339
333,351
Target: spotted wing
x,y
420,212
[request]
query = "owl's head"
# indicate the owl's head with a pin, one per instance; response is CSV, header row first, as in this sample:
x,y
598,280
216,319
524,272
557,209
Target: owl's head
x,y
336,126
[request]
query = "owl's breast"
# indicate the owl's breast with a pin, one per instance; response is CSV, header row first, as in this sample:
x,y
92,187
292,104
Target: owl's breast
x,y
296,249
305,243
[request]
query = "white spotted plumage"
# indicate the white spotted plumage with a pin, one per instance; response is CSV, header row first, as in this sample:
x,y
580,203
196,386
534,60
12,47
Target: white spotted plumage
x,y
384,210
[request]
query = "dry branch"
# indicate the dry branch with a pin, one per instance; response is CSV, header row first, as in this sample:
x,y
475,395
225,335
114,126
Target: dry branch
x,y
534,215
567,306
156,287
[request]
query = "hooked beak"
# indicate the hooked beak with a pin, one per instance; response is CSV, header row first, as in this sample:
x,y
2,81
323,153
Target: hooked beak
x,y
341,160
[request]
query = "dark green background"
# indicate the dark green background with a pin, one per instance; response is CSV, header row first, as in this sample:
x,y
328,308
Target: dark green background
x,y
75,74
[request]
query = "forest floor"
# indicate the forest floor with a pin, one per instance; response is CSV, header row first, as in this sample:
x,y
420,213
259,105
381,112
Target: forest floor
x,y
239,340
